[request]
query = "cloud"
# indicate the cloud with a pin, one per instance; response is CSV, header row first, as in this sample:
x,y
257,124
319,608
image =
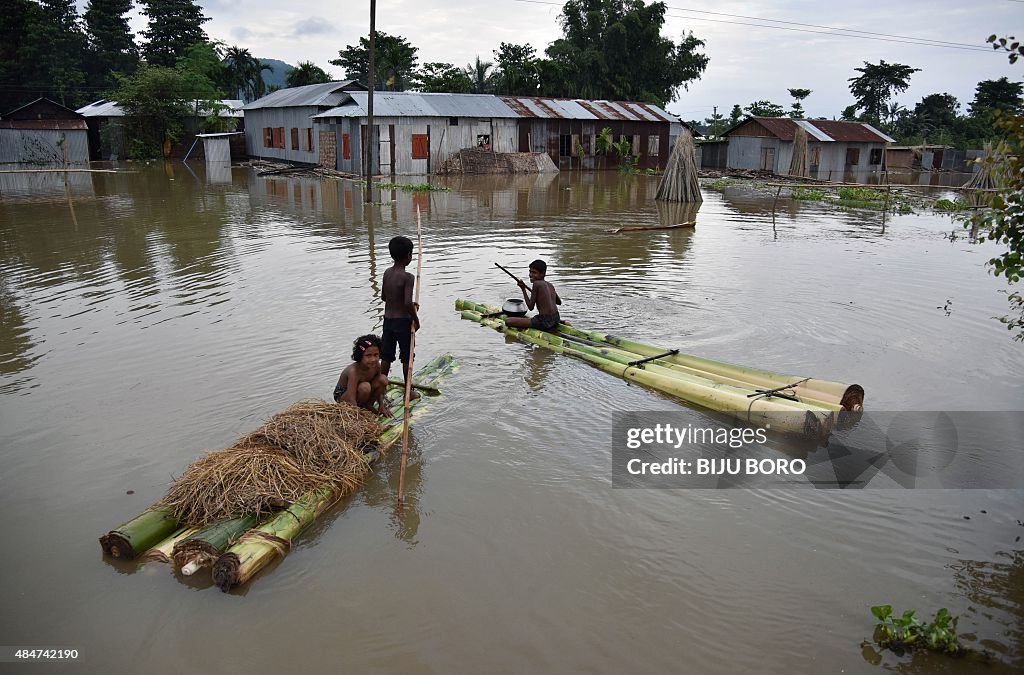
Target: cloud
x,y
314,25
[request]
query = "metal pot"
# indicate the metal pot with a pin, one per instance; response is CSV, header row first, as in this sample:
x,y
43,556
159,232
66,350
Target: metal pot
x,y
514,307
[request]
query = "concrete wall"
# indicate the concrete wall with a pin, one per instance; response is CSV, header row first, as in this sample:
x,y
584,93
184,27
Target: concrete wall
x,y
43,146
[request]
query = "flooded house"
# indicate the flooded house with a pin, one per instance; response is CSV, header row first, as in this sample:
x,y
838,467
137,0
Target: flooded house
x,y
279,126
418,132
834,148
43,132
108,135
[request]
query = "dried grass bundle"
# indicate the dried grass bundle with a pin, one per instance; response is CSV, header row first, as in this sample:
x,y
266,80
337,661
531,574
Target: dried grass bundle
x,y
310,445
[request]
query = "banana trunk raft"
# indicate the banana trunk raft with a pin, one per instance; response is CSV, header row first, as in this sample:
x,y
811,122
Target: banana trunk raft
x,y
238,548
789,403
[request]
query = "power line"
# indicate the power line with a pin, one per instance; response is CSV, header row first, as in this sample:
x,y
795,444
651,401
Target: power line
x,y
830,30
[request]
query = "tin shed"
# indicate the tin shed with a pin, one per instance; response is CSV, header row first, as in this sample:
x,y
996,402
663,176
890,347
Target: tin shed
x,y
43,132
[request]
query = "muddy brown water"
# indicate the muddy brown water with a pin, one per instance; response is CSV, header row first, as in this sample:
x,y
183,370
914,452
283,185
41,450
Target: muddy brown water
x,y
176,309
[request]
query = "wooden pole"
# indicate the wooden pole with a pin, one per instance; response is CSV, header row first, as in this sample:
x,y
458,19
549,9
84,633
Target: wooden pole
x,y
412,354
370,140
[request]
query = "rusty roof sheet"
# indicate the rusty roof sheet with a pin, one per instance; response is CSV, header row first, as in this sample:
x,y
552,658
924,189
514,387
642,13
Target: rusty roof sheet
x,y
826,131
581,109
855,132
52,125
327,94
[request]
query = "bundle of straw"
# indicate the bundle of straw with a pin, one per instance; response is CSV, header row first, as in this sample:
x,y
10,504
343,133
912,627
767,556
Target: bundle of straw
x,y
680,184
798,163
310,445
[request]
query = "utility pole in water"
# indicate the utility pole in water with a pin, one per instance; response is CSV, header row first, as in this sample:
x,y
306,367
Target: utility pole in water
x,y
371,141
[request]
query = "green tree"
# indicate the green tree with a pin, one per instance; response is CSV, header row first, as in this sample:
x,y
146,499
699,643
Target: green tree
x,y
481,81
112,47
516,72
717,123
992,95
797,108
21,76
614,49
1004,223
203,72
444,77
155,100
244,74
174,26
394,64
306,72
58,47
765,109
876,85
735,115
936,112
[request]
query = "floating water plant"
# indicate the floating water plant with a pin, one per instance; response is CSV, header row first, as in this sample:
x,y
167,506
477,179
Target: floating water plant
x,y
905,632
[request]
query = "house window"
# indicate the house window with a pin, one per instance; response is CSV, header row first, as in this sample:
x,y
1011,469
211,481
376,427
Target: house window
x,y
268,137
852,156
653,146
565,145
453,121
279,137
876,156
295,138
346,150
420,146
483,141
309,140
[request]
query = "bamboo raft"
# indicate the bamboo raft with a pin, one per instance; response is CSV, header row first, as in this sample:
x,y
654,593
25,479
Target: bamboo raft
x,y
788,403
238,548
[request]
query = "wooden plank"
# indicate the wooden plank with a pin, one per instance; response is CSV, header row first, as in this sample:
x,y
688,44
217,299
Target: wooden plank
x,y
640,228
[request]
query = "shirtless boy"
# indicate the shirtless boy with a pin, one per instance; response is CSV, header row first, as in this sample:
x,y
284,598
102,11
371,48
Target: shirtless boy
x,y
362,383
543,297
399,309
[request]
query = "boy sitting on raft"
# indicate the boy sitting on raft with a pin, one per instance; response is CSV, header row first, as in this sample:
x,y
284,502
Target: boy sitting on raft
x,y
362,383
543,297
399,309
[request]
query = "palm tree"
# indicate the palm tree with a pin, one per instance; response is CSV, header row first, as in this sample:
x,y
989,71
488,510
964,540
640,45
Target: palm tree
x,y
477,73
306,72
245,73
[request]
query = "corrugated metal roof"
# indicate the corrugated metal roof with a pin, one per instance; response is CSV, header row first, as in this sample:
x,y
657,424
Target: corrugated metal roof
x,y
888,139
784,129
328,94
105,108
52,125
417,104
101,108
536,106
812,131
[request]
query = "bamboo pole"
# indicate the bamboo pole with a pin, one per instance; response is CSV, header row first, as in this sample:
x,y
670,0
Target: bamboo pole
x,y
412,356
640,228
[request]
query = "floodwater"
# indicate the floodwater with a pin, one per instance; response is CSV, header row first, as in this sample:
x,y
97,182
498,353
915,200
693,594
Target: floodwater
x,y
169,310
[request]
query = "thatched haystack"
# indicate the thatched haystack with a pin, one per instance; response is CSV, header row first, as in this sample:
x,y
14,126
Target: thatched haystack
x,y
310,445
798,163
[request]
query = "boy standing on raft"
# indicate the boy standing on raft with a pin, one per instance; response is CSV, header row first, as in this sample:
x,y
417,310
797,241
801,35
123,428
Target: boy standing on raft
x,y
543,297
399,309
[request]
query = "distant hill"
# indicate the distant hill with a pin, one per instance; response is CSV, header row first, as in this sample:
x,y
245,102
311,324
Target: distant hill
x,y
277,77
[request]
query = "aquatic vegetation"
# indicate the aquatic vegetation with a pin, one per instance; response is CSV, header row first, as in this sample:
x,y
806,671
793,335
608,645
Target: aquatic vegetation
x,y
412,187
718,185
858,194
808,194
907,632
950,205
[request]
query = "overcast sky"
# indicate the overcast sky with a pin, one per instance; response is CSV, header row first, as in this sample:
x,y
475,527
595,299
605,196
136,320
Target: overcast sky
x,y
748,62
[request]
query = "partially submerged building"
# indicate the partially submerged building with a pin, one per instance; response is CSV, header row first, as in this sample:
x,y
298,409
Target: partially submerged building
x,y
43,132
833,147
280,125
108,137
417,133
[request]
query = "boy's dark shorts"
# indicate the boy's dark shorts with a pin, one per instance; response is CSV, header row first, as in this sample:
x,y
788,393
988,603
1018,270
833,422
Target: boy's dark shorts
x,y
397,332
545,321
